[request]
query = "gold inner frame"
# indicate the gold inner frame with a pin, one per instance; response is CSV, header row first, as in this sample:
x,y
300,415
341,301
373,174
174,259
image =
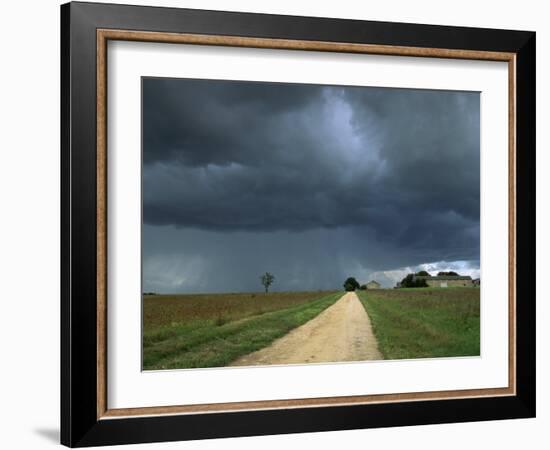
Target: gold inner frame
x,y
104,35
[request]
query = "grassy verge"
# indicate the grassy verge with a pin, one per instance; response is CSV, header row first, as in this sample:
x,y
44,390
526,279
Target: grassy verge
x,y
424,323
214,343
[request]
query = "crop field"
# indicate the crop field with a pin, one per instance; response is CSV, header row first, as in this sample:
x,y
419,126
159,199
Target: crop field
x,y
424,322
210,330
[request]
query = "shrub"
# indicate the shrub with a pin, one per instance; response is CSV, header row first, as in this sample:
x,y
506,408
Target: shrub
x,y
220,320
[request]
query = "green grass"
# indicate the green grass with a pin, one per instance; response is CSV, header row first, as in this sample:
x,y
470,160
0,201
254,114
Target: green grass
x,y
214,339
424,322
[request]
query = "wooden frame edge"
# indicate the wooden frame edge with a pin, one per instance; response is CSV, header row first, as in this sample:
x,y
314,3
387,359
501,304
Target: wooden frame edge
x,y
101,223
512,200
103,36
119,413
290,44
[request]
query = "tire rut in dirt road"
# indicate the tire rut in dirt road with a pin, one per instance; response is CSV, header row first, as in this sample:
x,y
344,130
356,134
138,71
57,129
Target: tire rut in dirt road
x,y
342,332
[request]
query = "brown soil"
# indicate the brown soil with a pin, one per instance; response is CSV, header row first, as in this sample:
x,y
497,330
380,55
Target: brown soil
x,y
341,332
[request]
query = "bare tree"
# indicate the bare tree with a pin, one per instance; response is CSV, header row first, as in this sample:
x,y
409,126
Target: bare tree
x,y
267,280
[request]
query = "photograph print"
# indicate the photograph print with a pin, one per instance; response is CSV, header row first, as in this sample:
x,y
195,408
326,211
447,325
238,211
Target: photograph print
x,y
293,223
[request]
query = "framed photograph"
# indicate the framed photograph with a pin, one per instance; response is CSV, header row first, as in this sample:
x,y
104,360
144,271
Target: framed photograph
x,y
277,224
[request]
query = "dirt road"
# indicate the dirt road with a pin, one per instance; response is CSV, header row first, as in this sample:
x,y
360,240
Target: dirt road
x,y
342,332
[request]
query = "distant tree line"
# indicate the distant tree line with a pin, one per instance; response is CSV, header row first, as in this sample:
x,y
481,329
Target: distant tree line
x,y
412,281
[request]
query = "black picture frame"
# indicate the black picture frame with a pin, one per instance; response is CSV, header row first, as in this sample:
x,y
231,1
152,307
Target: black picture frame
x,y
80,425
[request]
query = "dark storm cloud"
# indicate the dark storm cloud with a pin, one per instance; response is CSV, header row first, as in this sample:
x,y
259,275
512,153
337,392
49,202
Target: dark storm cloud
x,y
397,168
201,122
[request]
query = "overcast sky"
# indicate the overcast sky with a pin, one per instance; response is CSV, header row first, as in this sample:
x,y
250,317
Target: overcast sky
x,y
311,183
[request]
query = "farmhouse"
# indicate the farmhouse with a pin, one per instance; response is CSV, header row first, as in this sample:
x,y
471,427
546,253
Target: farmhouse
x,y
373,285
444,281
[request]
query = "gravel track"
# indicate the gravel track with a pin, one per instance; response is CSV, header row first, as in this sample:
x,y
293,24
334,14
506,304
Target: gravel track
x,y
342,332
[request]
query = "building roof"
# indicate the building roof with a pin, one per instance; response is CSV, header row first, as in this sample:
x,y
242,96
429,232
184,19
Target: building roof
x,y
372,281
443,277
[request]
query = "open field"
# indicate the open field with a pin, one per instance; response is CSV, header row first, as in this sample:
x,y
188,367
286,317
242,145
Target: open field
x,y
209,330
424,322
212,330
